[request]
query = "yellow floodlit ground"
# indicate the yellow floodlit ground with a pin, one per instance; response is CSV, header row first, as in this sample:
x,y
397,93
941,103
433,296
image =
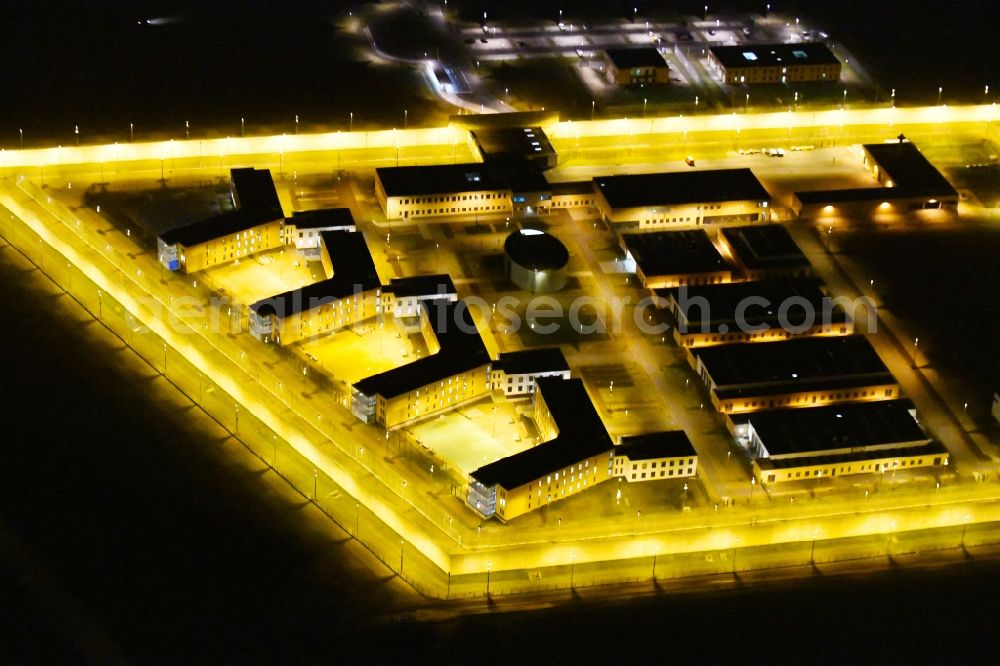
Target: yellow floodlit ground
x,y
262,275
465,437
355,353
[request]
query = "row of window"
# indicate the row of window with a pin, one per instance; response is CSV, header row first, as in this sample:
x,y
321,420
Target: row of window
x,y
870,467
787,400
747,337
455,197
663,474
663,463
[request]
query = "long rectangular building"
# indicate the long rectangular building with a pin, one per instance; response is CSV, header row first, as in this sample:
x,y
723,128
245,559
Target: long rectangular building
x,y
906,180
683,198
801,372
665,259
576,455
761,311
256,224
836,440
655,456
774,63
515,372
442,190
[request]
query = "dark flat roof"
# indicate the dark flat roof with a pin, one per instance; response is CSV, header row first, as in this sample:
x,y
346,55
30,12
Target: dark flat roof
x,y
929,449
353,272
846,426
912,177
218,226
253,190
527,361
421,285
674,252
796,362
665,444
573,187
581,435
461,350
534,249
774,55
256,203
506,143
681,187
707,307
322,218
765,246
909,169
524,177
641,57
440,179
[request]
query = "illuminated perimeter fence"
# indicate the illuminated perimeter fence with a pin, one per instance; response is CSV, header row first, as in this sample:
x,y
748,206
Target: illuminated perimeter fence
x,y
530,563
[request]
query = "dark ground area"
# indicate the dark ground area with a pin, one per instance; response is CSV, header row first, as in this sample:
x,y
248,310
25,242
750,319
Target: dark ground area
x,y
944,284
210,63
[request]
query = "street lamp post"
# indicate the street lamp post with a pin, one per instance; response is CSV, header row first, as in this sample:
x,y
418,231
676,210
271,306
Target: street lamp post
x,y
812,551
402,546
916,342
488,565
965,524
940,90
21,131
242,125
644,100
753,484
655,552
315,482
131,133
572,562
351,126
593,103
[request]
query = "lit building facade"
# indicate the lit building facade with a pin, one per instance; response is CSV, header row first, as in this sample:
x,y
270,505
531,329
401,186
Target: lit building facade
x,y
682,199
759,311
442,190
907,182
774,63
456,370
515,372
788,445
351,293
655,456
576,454
256,224
627,67
802,372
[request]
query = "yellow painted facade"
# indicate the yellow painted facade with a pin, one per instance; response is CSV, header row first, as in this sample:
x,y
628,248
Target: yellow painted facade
x,y
231,247
325,316
765,474
438,396
558,485
484,202
806,398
